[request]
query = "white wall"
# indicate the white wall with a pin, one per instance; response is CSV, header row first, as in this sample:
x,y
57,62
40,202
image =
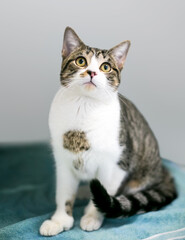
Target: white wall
x,y
31,33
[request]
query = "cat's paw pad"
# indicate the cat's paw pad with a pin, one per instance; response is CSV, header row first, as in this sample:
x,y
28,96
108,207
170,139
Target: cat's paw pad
x,y
52,227
90,223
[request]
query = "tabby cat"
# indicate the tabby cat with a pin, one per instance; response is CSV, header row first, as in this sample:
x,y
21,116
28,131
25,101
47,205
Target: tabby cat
x,y
99,136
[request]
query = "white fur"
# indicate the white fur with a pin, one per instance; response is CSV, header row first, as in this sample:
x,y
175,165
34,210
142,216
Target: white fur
x,y
96,111
92,220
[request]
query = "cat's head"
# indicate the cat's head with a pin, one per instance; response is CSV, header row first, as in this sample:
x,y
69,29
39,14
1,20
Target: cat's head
x,y
91,71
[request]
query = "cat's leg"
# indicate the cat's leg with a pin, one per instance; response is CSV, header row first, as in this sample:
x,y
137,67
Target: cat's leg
x,y
92,220
110,176
66,188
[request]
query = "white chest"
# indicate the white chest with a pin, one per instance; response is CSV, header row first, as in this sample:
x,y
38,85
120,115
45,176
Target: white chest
x,y
99,121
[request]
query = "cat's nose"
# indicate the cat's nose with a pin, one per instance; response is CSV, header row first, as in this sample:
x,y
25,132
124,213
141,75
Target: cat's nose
x,y
91,73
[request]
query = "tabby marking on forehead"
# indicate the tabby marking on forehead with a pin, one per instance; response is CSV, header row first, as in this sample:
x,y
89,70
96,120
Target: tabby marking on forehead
x,y
75,141
104,53
88,50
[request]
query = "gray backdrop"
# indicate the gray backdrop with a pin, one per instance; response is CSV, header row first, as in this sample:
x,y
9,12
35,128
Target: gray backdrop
x,y
31,34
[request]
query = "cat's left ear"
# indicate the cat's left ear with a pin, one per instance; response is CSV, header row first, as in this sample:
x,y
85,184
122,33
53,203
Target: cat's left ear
x,y
71,42
119,53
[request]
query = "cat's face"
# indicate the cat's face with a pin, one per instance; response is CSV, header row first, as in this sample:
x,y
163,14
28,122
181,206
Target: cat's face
x,y
90,71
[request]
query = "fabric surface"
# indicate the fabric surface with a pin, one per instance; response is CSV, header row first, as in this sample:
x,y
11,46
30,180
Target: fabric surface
x,y
27,198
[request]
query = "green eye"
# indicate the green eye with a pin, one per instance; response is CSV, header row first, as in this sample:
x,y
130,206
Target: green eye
x,y
81,61
105,67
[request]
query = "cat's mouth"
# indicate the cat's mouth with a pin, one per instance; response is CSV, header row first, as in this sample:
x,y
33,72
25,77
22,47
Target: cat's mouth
x,y
90,84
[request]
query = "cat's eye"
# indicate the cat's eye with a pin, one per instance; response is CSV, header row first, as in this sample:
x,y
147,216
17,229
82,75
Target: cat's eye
x,y
105,67
81,62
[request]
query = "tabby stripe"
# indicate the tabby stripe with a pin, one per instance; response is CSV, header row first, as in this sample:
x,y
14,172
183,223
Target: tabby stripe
x,y
114,206
135,205
64,68
89,50
116,70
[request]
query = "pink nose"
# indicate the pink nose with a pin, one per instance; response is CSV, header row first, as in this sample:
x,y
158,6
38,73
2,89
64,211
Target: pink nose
x,y
92,74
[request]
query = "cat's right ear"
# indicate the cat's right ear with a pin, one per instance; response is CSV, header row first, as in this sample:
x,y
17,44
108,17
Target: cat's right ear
x,y
71,42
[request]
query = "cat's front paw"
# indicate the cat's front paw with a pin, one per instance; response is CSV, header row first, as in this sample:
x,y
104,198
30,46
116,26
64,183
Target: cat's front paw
x,y
53,227
90,223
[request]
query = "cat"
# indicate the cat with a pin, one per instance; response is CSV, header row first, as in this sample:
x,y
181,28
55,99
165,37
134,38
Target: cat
x,y
97,135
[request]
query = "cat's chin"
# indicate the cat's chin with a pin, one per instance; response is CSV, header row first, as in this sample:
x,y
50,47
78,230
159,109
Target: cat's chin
x,y
95,94
89,86
89,90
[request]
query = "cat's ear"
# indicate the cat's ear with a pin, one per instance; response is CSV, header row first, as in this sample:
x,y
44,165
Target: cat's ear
x,y
119,53
71,42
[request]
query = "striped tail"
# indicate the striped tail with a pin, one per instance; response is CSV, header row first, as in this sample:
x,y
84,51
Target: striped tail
x,y
129,204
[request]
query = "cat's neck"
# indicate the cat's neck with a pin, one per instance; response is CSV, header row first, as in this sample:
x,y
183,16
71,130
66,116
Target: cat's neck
x,y
71,95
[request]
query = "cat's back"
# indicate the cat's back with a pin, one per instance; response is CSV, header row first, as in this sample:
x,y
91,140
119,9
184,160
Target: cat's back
x,y
131,116
136,133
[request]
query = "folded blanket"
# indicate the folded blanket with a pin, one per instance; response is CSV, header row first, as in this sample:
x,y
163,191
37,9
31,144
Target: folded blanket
x,y
27,198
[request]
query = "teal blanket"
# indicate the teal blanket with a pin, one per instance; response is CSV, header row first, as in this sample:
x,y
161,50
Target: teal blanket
x,y
27,198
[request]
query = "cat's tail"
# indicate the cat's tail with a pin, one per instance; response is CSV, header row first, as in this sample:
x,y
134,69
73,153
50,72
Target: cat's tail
x,y
130,204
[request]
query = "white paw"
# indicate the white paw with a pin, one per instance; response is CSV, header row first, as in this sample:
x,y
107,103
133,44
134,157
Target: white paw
x,y
90,223
53,227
